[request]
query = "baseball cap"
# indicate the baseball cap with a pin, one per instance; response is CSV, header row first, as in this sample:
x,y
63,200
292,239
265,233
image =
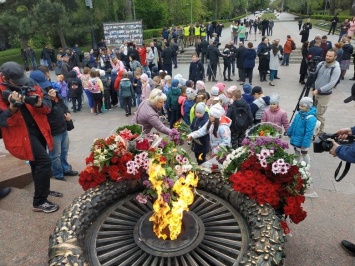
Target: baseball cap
x,y
13,71
352,97
40,79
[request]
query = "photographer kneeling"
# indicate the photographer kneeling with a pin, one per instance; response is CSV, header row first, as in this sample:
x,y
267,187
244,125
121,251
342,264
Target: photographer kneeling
x,y
346,153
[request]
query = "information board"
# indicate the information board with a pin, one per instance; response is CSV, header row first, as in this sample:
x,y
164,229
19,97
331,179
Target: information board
x,y
117,32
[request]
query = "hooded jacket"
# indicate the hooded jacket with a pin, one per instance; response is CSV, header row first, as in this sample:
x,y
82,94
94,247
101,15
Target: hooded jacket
x,y
278,117
301,129
172,98
223,134
126,89
73,79
259,106
15,131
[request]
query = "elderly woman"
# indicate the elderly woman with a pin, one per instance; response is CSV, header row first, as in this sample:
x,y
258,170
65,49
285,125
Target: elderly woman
x,y
147,113
117,64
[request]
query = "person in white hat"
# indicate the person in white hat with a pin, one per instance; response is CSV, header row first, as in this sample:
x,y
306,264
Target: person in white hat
x,y
218,128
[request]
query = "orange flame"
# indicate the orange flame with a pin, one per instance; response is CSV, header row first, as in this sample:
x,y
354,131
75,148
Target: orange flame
x,y
163,215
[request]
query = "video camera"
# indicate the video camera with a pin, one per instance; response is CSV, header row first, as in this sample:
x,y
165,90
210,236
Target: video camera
x,y
24,91
312,64
321,143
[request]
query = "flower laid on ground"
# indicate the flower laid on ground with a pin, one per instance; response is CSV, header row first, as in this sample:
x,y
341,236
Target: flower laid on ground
x,y
184,129
264,171
265,129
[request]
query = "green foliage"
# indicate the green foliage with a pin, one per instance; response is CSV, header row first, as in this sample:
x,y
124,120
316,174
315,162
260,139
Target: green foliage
x,y
149,34
154,15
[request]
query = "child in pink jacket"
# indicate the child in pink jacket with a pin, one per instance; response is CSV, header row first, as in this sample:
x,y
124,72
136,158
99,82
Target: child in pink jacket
x,y
274,114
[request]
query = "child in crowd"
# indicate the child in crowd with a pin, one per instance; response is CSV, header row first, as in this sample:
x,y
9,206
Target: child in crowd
x,y
64,88
113,93
302,127
172,103
200,98
200,86
217,127
214,93
130,77
96,88
189,102
145,87
107,97
201,118
126,93
137,86
181,100
242,118
259,104
157,83
247,93
155,72
274,114
167,84
216,100
229,94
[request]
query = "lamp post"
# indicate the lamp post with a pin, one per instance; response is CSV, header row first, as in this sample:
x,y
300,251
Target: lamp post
x,y
191,13
89,6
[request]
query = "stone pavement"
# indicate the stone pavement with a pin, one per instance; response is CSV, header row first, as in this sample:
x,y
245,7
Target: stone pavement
x,y
314,242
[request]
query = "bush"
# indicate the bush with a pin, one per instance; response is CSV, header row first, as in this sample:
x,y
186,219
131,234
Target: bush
x,y
149,34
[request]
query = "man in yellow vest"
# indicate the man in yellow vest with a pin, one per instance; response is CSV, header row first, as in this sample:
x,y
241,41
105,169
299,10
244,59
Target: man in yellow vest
x,y
197,32
186,35
203,32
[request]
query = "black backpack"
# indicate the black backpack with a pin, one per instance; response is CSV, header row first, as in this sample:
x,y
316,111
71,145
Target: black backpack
x,y
293,45
241,119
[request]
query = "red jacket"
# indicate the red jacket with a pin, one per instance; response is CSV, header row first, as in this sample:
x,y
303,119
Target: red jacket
x,y
142,55
287,46
15,135
118,79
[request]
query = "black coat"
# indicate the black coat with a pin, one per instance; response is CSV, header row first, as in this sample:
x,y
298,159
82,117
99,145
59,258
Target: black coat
x,y
196,124
232,110
196,71
304,66
56,118
167,54
73,79
239,56
213,54
204,45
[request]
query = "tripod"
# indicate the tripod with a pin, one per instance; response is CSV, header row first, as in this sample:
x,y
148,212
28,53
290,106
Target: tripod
x,y
307,87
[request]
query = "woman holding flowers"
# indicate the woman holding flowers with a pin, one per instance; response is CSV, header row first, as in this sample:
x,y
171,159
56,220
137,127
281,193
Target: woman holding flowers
x,y
147,113
217,127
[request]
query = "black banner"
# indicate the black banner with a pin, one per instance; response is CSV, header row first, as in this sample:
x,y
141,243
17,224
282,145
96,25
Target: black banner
x,y
117,32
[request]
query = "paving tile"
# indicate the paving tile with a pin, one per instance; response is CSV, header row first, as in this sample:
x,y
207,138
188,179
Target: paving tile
x,y
344,187
323,184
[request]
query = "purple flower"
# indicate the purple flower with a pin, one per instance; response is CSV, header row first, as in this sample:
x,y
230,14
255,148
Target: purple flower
x,y
141,198
147,183
170,183
166,197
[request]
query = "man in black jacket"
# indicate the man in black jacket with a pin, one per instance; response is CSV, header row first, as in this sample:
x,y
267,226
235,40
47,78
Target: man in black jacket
x,y
233,51
167,55
204,45
239,56
213,55
333,26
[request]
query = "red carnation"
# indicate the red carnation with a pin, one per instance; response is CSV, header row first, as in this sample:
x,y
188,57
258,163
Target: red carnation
x,y
298,217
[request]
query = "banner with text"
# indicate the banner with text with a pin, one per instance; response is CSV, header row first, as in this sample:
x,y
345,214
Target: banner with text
x,y
117,32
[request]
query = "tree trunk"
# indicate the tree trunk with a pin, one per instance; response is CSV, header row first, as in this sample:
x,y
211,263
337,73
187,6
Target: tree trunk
x,y
62,38
352,11
331,7
128,9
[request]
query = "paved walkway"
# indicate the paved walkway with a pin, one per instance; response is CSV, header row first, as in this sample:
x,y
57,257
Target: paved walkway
x,y
314,242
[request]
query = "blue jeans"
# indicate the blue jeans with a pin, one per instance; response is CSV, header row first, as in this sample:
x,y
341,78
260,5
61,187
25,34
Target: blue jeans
x,y
89,96
286,59
59,155
33,62
272,74
138,98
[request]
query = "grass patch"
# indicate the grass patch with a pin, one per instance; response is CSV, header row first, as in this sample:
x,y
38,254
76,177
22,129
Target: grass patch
x,y
268,16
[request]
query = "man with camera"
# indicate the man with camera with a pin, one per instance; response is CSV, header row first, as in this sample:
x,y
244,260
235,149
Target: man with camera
x,y
345,153
25,129
327,73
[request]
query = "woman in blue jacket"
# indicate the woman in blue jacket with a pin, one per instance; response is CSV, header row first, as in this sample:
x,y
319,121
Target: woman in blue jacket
x,y
302,127
249,62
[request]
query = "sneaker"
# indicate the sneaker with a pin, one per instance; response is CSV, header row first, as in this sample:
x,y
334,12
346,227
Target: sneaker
x,y
348,246
72,173
46,207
